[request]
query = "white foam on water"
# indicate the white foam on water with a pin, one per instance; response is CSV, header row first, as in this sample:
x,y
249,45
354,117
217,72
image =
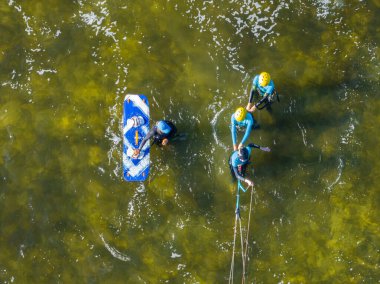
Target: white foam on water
x,y
91,18
29,60
114,252
181,266
22,247
28,29
139,206
245,17
326,8
348,136
175,255
213,122
303,132
100,22
97,20
114,135
339,175
43,71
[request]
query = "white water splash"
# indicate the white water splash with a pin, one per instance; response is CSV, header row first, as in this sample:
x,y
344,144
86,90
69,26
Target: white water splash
x,y
22,247
303,132
115,253
245,17
213,125
43,71
348,135
100,21
340,170
116,141
175,255
326,7
97,20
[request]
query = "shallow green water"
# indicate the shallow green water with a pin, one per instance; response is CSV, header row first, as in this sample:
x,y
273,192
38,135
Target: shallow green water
x,y
67,216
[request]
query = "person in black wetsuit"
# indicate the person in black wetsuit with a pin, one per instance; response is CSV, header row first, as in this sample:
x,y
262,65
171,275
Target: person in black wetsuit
x,y
239,161
162,132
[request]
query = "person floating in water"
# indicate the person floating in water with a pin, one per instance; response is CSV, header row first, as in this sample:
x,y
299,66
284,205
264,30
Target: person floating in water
x,y
263,85
239,161
239,120
162,132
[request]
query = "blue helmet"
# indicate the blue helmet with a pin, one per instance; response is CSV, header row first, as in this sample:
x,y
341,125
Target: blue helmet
x,y
163,127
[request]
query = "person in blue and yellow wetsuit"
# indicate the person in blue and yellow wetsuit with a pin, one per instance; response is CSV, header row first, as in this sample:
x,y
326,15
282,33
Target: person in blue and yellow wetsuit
x,y
239,161
161,133
241,119
264,86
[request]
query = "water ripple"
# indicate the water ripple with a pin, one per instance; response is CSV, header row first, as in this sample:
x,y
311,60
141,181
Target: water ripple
x,y
115,253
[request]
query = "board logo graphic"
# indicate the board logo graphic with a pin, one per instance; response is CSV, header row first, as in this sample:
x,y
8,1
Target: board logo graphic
x,y
135,128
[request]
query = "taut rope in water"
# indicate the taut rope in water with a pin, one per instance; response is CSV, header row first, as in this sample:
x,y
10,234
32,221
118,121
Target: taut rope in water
x,y
249,222
244,252
231,279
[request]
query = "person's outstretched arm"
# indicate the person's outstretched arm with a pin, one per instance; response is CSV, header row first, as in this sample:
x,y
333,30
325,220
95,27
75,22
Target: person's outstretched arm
x,y
253,145
146,138
240,177
247,132
233,133
150,134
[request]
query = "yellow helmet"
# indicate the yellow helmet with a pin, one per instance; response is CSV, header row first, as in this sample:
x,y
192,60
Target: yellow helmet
x,y
240,113
264,79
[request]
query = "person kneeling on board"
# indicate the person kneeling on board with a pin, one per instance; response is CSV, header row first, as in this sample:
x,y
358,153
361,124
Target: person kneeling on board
x,y
239,161
162,132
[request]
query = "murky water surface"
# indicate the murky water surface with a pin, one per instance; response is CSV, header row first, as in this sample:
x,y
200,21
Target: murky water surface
x,y
67,216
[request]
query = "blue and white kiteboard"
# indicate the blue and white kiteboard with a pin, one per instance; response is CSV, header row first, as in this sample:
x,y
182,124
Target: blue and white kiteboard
x,y
135,128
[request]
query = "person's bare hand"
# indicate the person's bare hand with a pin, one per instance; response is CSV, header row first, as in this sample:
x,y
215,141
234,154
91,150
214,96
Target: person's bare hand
x,y
136,153
249,182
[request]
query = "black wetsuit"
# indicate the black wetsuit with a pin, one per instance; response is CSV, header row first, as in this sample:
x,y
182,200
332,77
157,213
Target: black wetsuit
x,y
264,102
158,136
